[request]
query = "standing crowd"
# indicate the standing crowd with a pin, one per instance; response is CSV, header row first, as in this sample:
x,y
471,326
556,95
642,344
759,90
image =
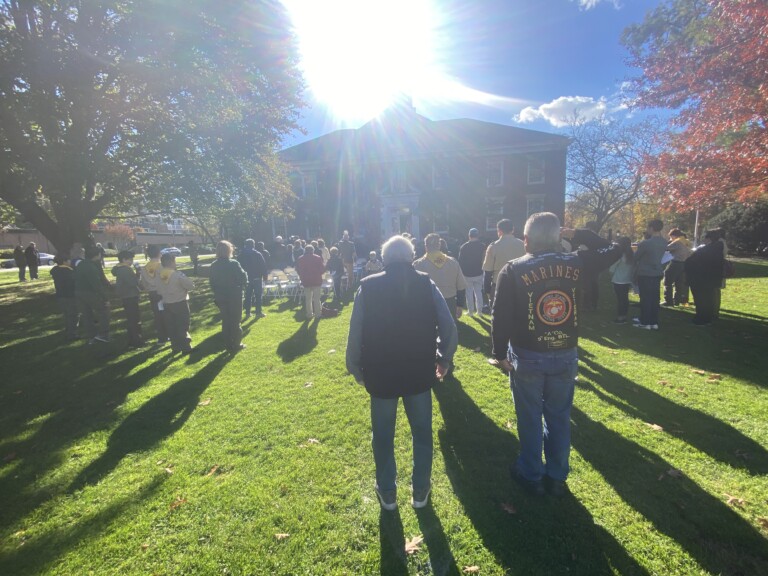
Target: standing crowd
x,y
403,333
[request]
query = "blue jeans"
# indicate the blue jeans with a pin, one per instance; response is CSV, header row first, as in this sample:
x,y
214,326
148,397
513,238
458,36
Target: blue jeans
x,y
542,386
649,286
418,408
253,292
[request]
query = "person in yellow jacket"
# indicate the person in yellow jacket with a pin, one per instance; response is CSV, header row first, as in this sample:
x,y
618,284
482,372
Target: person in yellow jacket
x,y
498,253
149,279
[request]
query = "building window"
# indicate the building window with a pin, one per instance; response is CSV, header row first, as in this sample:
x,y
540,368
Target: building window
x,y
535,171
535,204
439,177
440,220
494,212
494,174
397,179
309,185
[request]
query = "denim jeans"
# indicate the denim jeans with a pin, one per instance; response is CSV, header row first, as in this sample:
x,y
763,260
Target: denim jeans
x,y
418,409
648,286
253,293
542,386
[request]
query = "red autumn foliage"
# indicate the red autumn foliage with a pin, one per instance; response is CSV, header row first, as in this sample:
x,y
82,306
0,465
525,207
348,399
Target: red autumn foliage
x,y
708,61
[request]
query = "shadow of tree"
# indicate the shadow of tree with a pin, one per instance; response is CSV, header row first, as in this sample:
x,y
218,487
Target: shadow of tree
x,y
545,536
702,431
302,342
39,555
713,534
156,420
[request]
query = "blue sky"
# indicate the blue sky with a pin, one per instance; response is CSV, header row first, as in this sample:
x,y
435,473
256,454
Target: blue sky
x,y
527,63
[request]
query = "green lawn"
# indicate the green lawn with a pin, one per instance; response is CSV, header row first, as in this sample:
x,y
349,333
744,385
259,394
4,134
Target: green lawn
x,y
116,462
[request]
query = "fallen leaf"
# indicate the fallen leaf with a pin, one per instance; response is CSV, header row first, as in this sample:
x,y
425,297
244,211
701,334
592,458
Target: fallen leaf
x,y
471,569
413,545
144,546
159,462
763,522
742,454
622,362
331,351
714,377
282,536
508,425
313,441
10,456
178,502
212,471
205,402
699,372
655,427
661,477
681,390
663,382
735,501
308,384
508,508
169,470
675,473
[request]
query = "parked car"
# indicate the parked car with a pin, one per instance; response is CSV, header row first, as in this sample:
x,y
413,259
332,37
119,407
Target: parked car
x,y
171,250
44,259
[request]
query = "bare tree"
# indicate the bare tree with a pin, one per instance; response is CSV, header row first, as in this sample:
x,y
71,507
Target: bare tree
x,y
604,164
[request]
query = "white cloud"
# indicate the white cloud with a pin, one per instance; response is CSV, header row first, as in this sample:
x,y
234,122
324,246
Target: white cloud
x,y
561,111
589,4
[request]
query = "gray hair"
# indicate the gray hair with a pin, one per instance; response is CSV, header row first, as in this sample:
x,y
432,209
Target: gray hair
x,y
542,232
397,249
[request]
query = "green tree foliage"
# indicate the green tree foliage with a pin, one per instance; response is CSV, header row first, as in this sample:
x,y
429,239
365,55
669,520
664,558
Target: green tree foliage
x,y
151,104
746,226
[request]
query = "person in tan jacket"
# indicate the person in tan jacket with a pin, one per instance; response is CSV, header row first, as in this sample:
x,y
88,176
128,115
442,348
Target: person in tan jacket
x,y
445,272
675,283
498,253
173,287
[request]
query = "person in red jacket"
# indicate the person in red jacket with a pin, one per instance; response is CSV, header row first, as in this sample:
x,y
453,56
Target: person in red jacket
x,y
310,269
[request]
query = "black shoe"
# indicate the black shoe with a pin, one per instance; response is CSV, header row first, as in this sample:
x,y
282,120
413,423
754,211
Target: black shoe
x,y
556,488
533,487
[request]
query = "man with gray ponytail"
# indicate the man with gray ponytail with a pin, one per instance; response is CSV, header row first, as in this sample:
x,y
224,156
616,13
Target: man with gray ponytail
x,y
535,337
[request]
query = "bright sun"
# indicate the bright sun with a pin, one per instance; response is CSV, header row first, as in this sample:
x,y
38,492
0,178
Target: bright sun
x,y
359,55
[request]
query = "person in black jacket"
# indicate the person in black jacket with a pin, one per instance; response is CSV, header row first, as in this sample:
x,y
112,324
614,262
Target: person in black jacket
x,y
255,267
33,260
704,272
471,255
535,338
393,351
64,282
21,262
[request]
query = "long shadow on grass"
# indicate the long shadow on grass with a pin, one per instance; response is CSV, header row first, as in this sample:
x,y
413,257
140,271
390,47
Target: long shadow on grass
x,y
732,345
545,536
51,413
155,421
702,431
38,555
713,534
392,544
302,342
441,558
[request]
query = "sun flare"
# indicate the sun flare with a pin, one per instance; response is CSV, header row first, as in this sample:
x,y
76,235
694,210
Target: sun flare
x,y
359,55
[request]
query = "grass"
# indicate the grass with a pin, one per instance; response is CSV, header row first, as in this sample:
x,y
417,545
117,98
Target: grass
x,y
116,462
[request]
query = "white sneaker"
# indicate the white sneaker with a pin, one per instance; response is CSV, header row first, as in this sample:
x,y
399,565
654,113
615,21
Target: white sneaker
x,y
420,498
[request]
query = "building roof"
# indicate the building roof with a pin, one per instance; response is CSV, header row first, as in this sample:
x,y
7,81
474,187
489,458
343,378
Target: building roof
x,y
401,133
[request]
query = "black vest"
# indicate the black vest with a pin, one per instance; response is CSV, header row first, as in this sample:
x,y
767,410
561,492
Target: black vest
x,y
399,332
545,296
